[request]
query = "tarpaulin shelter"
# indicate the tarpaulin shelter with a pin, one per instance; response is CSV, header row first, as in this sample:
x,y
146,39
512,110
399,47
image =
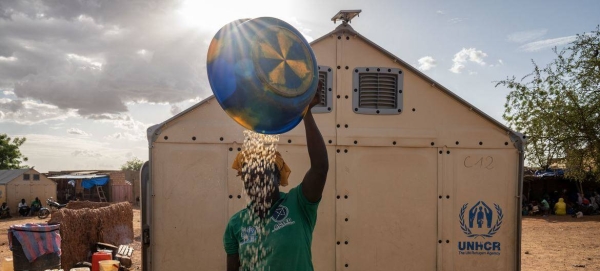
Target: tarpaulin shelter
x,y
71,185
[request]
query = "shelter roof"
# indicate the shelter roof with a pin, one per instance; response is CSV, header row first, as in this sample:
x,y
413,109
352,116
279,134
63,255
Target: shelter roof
x,y
8,175
77,177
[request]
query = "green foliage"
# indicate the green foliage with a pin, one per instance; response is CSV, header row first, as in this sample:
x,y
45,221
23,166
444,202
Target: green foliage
x,y
558,108
10,155
133,164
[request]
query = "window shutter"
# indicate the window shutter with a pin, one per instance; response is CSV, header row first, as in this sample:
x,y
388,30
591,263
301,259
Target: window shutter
x,y
377,90
325,76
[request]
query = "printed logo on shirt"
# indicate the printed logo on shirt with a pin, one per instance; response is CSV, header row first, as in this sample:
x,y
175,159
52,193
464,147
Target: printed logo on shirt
x,y
248,235
280,216
280,213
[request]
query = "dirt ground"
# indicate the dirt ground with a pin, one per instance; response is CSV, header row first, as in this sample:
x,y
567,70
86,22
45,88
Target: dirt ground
x,y
560,243
6,223
551,243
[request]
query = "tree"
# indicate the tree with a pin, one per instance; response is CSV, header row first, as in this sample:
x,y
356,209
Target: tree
x,y
558,108
10,155
133,164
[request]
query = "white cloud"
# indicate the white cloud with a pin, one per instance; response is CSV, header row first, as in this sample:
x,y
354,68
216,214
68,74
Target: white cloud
x,y
548,43
472,73
76,131
175,109
467,55
47,152
146,55
86,153
82,62
8,59
456,20
31,112
82,56
8,93
526,36
125,136
439,12
300,27
500,63
134,130
427,63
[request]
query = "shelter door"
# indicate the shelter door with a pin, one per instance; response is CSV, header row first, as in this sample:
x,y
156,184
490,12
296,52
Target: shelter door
x,y
386,213
479,209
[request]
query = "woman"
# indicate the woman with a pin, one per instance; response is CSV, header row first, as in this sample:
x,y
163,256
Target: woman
x,y
23,208
561,207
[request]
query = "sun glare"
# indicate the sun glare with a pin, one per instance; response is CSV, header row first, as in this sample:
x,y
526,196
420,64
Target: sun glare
x,y
215,14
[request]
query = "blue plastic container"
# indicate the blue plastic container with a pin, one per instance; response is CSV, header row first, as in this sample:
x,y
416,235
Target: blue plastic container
x,y
263,73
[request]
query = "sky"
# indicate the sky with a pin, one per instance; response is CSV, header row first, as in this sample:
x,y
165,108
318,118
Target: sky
x,y
83,80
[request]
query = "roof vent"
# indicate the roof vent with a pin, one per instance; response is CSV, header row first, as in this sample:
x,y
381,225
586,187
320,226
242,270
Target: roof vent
x,y
346,16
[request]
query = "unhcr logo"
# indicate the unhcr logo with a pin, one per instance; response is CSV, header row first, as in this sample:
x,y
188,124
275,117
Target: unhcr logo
x,y
482,222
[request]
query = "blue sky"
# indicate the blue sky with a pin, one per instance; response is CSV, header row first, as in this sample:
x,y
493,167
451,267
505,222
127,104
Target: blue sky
x,y
82,80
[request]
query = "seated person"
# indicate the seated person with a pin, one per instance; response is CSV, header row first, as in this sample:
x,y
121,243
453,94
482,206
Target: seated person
x,y
23,208
560,208
535,209
545,207
5,211
586,207
36,205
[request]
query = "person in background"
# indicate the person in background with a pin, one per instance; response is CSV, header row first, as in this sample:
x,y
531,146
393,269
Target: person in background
x,y
36,205
23,208
545,207
5,211
560,208
586,207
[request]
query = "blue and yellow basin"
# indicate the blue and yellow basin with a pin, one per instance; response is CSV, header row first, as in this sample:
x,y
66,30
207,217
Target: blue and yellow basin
x,y
263,73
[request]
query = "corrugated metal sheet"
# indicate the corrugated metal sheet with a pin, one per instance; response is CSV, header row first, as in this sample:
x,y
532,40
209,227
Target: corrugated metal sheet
x,y
10,174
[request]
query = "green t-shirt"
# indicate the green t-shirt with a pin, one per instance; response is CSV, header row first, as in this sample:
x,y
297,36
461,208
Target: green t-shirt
x,y
286,239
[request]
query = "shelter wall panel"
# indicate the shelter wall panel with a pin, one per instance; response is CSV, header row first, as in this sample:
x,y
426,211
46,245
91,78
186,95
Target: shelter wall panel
x,y
235,185
487,176
42,191
437,117
389,197
208,123
23,189
3,197
12,197
189,201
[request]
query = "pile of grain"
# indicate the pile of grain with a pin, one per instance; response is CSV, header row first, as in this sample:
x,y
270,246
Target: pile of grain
x,y
81,229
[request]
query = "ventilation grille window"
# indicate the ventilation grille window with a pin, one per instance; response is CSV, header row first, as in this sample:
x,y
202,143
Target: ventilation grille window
x,y
326,77
377,90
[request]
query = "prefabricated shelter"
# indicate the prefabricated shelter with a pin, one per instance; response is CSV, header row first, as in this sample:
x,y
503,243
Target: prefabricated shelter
x,y
25,183
419,179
